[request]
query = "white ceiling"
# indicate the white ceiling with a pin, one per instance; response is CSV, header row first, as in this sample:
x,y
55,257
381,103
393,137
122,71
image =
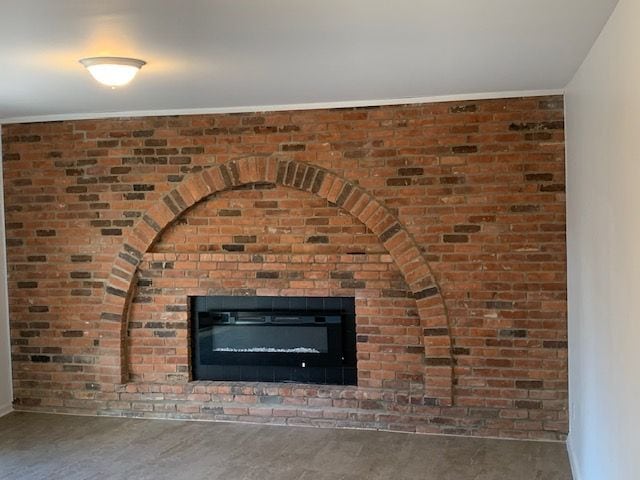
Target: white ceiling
x,y
213,54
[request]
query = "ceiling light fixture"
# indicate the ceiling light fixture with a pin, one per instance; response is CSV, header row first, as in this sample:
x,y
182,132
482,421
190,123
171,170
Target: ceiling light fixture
x,y
113,71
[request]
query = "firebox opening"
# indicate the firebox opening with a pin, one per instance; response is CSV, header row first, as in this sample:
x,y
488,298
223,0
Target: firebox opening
x,y
274,339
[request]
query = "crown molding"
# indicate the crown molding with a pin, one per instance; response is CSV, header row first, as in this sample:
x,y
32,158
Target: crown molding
x,y
283,107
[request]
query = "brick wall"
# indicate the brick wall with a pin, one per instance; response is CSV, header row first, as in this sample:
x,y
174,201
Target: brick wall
x,y
468,209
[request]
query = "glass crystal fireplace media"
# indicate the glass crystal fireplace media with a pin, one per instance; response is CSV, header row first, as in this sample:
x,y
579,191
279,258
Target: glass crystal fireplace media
x,y
280,339
267,350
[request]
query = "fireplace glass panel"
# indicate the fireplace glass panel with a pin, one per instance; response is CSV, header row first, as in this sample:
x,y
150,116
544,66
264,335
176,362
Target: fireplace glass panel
x,y
269,339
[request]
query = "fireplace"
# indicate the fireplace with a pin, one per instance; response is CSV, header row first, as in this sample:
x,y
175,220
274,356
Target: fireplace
x,y
274,339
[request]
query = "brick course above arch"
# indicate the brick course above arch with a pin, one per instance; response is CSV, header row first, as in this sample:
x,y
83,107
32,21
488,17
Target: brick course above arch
x,y
321,182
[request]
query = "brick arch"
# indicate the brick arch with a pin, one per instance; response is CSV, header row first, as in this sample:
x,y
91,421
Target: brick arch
x,y
321,182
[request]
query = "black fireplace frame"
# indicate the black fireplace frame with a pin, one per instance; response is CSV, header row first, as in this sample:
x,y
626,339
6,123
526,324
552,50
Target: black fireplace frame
x,y
334,315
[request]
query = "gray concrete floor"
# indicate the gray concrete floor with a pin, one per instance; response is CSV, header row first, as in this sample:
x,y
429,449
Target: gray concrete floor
x,y
39,446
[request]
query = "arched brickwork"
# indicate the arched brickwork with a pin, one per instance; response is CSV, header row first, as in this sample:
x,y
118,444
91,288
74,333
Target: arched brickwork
x,y
323,183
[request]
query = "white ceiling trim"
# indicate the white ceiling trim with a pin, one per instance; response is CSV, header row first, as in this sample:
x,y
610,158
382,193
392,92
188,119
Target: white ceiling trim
x,y
284,107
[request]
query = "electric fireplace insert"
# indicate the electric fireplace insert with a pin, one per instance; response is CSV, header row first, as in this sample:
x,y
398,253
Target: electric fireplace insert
x,y
274,339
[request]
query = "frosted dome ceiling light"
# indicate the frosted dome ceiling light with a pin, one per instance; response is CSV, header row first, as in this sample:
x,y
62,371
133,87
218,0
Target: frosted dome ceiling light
x,y
113,71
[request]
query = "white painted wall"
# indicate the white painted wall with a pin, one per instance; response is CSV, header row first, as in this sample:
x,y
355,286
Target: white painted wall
x,y
6,394
603,167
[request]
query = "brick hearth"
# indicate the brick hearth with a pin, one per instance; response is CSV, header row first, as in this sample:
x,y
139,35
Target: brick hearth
x,y
445,221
